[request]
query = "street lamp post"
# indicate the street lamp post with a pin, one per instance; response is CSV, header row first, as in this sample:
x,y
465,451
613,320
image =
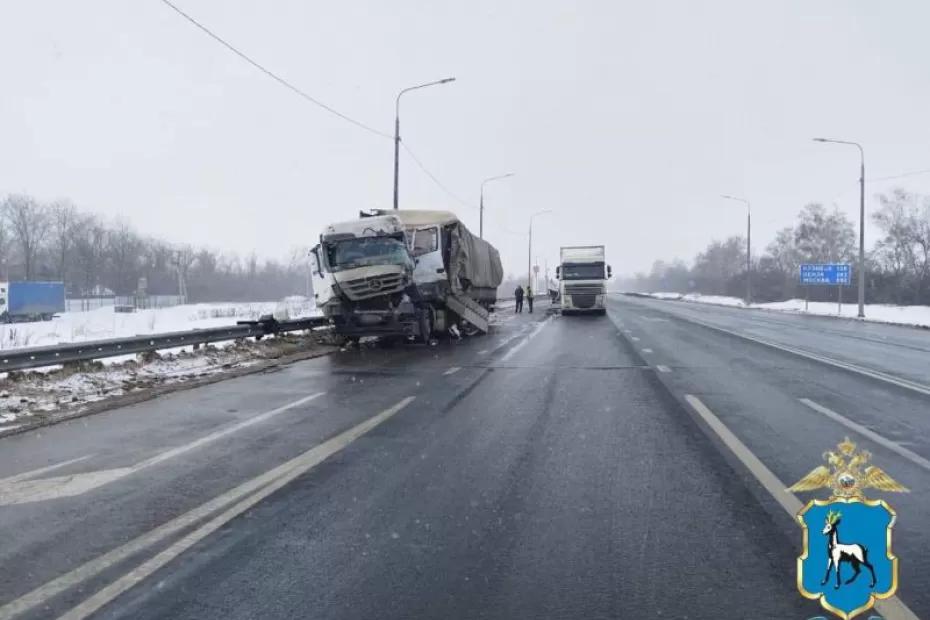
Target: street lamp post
x,y
748,246
529,253
861,219
397,128
481,202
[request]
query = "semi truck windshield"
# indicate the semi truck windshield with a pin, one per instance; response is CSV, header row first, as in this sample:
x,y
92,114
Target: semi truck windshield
x,y
367,251
583,271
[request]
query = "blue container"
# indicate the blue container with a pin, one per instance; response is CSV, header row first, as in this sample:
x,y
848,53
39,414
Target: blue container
x,y
35,299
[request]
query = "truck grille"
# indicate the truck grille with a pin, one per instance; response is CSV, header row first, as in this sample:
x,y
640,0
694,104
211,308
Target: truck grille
x,y
583,289
373,285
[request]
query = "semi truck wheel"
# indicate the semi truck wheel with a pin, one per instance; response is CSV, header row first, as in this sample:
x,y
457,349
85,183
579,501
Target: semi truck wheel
x,y
426,326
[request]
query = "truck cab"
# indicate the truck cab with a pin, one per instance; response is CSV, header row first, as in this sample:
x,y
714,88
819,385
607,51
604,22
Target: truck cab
x,y
583,275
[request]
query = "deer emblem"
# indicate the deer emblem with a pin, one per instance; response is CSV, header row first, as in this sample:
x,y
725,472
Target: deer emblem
x,y
838,553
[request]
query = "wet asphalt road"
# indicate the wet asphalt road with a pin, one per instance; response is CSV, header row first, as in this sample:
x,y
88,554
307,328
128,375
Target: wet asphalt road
x,y
548,470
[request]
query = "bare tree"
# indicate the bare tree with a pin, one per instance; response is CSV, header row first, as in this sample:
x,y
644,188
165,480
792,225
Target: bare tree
x,y
30,223
904,250
90,253
124,251
64,226
4,243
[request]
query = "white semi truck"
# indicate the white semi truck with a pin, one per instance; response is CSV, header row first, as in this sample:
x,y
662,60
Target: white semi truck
x,y
583,275
405,273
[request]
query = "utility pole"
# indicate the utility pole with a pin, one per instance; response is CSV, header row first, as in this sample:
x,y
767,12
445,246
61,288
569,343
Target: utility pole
x,y
748,245
397,131
861,313
529,250
481,202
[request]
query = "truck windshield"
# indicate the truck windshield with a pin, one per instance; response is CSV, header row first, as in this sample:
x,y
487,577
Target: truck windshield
x,y
583,271
367,251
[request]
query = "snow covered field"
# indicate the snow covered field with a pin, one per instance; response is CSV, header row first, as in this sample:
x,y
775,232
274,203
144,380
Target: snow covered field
x,y
882,313
105,323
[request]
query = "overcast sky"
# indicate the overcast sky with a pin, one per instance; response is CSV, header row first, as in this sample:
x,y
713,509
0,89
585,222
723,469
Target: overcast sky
x,y
626,119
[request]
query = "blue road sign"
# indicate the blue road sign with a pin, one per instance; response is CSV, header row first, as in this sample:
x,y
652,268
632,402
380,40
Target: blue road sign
x,y
828,273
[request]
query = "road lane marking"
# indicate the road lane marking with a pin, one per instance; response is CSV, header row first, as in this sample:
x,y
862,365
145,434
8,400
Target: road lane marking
x,y
634,338
662,368
42,470
892,608
525,340
647,350
452,370
483,352
875,374
289,470
310,459
43,489
862,430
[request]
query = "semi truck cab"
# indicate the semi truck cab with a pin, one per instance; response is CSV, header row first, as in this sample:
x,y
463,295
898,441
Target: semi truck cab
x,y
583,275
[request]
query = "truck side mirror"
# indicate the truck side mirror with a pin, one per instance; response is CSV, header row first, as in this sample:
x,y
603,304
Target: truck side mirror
x,y
558,273
609,272
315,266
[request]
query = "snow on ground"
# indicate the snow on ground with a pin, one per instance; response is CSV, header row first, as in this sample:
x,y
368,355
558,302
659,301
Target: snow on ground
x,y
30,396
106,323
881,313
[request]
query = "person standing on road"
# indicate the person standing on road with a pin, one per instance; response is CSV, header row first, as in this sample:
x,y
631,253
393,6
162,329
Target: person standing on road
x,y
518,296
529,297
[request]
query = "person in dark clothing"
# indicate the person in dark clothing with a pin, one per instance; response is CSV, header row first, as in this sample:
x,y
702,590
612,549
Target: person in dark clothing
x,y
518,295
529,297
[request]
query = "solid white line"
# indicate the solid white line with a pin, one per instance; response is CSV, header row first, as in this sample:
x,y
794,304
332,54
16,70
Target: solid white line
x,y
892,608
452,370
303,462
43,489
647,350
36,472
662,368
169,454
911,456
875,374
523,342
308,460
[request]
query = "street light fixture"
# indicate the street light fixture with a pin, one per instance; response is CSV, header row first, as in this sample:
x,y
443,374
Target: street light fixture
x,y
529,254
861,219
481,202
748,245
397,128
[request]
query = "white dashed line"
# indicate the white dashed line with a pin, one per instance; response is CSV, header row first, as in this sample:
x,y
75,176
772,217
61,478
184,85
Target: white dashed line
x,y
452,370
647,350
662,368
634,338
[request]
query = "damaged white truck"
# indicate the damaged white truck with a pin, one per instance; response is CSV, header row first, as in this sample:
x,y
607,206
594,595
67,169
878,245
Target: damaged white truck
x,y
405,274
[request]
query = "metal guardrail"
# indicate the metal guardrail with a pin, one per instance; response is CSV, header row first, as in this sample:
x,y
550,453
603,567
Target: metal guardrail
x,y
36,357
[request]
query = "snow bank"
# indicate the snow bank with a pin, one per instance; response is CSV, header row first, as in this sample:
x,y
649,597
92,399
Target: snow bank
x,y
880,313
106,323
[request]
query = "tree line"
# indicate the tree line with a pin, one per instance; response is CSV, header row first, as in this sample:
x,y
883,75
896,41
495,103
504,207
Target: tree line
x,y
897,263
57,241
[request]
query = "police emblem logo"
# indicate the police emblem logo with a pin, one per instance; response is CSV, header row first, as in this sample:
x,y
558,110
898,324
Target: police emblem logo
x,y
847,561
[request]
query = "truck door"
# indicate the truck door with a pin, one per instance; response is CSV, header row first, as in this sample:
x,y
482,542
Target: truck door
x,y
321,280
429,270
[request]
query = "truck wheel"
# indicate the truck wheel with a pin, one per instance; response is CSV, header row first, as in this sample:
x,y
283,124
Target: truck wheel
x,y
426,326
